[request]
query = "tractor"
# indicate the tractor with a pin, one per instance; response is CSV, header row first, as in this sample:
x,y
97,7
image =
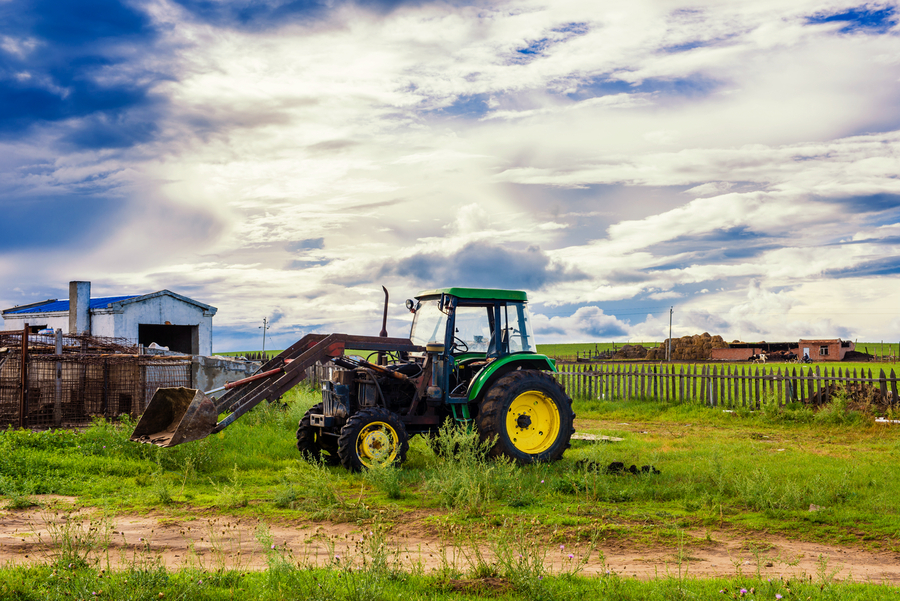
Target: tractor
x,y
470,358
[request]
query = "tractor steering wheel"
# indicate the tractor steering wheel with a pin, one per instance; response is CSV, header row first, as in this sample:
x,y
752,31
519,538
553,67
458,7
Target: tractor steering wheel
x,y
459,343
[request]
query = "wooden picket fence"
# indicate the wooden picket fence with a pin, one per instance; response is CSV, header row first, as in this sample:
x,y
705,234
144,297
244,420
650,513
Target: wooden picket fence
x,y
729,386
717,385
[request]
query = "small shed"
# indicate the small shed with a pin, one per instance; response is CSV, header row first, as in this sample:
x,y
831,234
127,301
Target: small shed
x,y
164,317
825,349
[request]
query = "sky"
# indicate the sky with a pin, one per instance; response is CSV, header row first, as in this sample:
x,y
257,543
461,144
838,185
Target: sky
x,y
736,162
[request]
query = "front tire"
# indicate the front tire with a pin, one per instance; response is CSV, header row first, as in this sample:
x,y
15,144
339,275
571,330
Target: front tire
x,y
528,415
373,437
311,441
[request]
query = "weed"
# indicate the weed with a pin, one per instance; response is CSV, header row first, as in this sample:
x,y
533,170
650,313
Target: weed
x,y
232,494
285,496
837,412
159,487
387,479
461,477
77,540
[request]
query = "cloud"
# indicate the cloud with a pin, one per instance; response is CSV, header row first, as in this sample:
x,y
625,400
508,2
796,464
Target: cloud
x,y
77,63
584,325
481,265
278,155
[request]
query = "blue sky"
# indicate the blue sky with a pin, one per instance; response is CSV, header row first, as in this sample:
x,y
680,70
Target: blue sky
x,y
286,158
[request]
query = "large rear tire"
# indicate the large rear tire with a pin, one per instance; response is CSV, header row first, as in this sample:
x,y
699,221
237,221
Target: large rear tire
x,y
372,437
311,442
528,415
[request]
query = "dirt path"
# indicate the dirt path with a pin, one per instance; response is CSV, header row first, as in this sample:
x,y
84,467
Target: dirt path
x,y
220,542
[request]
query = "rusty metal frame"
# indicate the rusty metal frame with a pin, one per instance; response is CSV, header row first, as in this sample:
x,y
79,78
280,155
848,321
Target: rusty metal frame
x,y
23,393
302,355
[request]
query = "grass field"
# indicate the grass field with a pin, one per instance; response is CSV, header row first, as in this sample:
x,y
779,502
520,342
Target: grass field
x,y
756,473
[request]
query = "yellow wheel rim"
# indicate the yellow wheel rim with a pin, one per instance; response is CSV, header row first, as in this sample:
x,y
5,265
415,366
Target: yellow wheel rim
x,y
532,422
377,444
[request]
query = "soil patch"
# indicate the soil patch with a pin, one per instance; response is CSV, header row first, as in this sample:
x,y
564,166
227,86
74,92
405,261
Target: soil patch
x,y
27,535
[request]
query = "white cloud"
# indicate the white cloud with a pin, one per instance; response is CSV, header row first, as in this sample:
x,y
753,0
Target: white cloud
x,y
737,129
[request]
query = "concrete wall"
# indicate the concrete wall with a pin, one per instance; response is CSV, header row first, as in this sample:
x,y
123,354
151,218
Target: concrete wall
x,y
212,372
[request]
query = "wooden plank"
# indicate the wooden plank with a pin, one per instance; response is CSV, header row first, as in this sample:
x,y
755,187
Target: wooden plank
x,y
754,404
681,384
663,382
714,387
629,371
619,380
882,384
779,396
729,384
592,382
893,388
817,385
704,385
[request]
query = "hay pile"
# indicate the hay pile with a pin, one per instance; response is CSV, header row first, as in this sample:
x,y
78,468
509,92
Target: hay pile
x,y
688,348
631,351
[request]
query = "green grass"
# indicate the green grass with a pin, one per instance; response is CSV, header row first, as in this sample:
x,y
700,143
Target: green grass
x,y
570,350
753,470
879,348
284,580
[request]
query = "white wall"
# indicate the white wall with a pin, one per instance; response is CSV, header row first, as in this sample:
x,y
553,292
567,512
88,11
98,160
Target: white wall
x,y
57,319
158,311
106,322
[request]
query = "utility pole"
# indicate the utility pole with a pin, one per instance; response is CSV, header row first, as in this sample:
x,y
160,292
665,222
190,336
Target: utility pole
x,y
669,341
264,327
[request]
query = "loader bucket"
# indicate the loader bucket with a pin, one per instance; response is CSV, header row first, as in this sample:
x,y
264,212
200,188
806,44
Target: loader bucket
x,y
176,415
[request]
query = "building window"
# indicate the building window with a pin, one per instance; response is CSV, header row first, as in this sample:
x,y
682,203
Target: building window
x,y
36,329
823,351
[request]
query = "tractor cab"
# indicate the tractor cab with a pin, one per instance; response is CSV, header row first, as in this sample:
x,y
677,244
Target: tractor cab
x,y
472,323
472,337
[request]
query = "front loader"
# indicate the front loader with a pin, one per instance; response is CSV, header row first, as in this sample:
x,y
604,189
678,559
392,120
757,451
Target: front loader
x,y
470,358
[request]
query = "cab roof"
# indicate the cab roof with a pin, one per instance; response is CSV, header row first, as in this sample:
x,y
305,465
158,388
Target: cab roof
x,y
477,294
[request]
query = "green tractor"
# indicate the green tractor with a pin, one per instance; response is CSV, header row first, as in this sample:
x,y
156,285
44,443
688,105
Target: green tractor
x,y
470,359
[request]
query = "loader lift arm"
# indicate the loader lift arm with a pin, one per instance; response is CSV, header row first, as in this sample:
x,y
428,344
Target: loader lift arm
x,y
181,415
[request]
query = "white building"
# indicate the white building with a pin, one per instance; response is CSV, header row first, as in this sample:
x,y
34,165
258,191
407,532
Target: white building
x,y
163,317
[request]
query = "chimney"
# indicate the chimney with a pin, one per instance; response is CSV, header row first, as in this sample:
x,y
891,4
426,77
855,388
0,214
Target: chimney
x,y
79,307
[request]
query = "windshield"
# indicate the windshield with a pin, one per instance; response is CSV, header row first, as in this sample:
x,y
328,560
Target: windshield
x,y
475,328
429,324
518,332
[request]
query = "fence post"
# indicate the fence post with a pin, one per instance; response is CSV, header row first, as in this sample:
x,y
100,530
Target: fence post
x,y
23,393
882,381
893,388
57,399
755,404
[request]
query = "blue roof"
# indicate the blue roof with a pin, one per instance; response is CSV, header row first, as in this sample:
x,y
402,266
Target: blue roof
x,y
63,305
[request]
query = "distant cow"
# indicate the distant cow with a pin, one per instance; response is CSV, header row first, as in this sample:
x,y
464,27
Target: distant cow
x,y
761,358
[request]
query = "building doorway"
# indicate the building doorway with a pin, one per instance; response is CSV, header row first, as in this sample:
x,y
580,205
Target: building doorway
x,y
181,339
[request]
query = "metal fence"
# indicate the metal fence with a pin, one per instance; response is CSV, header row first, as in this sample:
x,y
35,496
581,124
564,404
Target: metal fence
x,y
65,381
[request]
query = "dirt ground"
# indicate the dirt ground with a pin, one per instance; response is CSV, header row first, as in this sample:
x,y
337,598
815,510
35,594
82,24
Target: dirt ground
x,y
220,542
